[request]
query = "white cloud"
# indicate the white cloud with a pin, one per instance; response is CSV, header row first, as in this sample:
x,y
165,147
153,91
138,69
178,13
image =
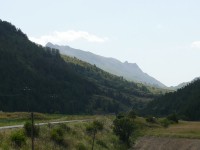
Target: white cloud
x,y
68,36
196,44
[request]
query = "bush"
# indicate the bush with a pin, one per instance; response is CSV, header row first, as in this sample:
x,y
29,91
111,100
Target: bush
x,y
99,142
151,119
120,115
173,118
64,127
132,114
165,122
94,127
18,138
81,146
28,129
57,135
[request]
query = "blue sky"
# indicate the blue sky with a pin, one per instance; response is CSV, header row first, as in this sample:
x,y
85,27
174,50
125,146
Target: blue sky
x,y
161,36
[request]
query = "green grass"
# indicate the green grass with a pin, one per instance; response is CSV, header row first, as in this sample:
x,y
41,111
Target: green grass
x,y
75,139
16,118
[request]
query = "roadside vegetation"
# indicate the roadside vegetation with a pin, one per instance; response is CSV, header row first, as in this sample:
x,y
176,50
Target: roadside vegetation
x,y
16,118
76,136
118,132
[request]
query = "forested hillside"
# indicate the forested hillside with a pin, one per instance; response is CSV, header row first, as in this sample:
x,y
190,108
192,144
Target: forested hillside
x,y
185,102
34,78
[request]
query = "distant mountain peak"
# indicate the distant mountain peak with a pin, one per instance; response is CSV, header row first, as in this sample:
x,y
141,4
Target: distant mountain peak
x,y
130,71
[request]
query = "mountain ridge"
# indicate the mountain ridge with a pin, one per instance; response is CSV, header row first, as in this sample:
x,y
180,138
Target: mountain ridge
x,y
129,71
37,78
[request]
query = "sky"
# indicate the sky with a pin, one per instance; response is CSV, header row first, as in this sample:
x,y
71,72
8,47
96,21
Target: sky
x,y
161,36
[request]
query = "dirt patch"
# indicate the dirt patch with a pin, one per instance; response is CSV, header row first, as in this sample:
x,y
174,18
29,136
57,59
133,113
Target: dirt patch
x,y
166,143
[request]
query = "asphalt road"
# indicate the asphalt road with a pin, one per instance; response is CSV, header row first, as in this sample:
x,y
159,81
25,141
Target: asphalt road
x,y
46,123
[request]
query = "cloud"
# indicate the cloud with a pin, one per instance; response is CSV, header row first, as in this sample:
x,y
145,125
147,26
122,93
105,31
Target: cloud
x,y
68,36
196,44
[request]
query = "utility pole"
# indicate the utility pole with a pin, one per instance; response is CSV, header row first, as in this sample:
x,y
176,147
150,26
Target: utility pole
x,y
93,138
32,130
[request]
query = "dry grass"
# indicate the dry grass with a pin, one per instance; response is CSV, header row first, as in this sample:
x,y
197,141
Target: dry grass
x,y
184,129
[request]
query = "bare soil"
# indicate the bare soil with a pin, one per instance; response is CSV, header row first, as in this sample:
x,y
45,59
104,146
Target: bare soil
x,y
166,143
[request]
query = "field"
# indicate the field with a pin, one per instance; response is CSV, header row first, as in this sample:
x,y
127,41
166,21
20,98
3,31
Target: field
x,y
183,129
75,137
7,119
150,136
182,136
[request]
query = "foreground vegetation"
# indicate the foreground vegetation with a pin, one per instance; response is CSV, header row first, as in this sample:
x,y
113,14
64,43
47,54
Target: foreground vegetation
x,y
16,118
75,136
102,132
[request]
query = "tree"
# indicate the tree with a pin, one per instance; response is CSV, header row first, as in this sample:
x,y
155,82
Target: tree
x,y
93,129
123,128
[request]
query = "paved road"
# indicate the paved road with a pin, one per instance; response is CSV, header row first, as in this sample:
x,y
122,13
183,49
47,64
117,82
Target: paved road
x,y
41,124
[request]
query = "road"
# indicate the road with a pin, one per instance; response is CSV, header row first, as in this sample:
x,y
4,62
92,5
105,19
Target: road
x,y
44,123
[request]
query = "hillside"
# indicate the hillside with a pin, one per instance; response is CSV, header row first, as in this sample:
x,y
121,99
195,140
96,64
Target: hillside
x,y
34,78
129,71
185,102
181,85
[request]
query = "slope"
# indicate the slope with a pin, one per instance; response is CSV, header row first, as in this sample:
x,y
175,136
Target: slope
x,y
185,102
34,78
129,71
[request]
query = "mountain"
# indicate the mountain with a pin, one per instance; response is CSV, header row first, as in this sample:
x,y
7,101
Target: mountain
x,y
129,71
185,102
36,78
181,85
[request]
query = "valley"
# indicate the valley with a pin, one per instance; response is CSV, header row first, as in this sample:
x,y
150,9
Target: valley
x,y
80,101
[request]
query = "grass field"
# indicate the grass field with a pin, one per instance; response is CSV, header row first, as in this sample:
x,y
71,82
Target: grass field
x,y
183,129
15,118
75,139
78,139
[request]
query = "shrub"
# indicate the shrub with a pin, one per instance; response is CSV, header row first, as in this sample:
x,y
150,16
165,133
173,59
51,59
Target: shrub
x,y
165,122
28,129
18,138
151,119
64,127
81,146
57,135
132,114
173,118
120,115
94,127
103,144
